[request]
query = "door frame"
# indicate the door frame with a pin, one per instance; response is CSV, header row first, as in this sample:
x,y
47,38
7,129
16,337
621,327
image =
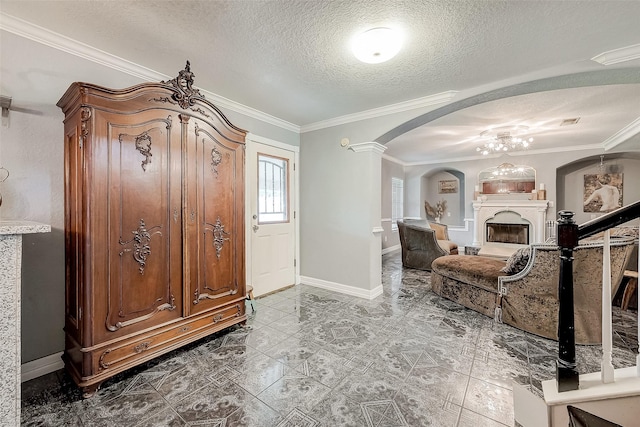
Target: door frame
x,y
252,139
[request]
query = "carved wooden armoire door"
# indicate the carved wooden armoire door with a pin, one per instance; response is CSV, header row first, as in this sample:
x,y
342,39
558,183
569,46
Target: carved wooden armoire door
x,y
215,232
144,216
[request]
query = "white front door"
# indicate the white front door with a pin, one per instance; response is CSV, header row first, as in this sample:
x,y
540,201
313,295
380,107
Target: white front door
x,y
271,182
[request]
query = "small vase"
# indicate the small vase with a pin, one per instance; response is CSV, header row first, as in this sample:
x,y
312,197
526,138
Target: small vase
x,y
438,219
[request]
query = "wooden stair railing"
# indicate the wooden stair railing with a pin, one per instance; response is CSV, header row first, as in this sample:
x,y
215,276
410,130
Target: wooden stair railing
x,y
568,234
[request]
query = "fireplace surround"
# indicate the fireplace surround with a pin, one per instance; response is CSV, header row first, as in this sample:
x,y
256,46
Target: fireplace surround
x,y
532,211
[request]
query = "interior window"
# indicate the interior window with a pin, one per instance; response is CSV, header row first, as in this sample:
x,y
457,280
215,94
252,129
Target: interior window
x,y
397,202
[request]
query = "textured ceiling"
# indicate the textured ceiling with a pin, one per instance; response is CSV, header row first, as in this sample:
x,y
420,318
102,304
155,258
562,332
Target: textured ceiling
x,y
291,59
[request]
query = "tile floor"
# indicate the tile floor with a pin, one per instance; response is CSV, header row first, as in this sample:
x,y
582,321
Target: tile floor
x,y
316,358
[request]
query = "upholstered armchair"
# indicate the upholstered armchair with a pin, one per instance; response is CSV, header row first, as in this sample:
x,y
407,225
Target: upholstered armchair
x,y
422,242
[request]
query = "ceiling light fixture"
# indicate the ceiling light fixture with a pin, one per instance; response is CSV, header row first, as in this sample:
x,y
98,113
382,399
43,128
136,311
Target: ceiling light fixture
x,y
500,140
377,45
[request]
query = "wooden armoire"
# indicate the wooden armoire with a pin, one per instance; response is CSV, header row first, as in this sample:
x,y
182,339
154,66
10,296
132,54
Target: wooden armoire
x,y
154,224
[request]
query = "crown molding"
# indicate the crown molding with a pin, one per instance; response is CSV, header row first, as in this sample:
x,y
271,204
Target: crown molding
x,y
367,146
394,160
57,41
438,98
615,56
622,135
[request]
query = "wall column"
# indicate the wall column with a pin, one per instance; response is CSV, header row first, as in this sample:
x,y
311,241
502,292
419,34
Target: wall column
x,y
373,151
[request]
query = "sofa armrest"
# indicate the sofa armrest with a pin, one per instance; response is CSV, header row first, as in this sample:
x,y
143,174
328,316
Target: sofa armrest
x,y
419,246
421,239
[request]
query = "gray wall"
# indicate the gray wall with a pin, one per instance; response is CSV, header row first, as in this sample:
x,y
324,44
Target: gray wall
x,y
546,165
335,186
571,177
453,214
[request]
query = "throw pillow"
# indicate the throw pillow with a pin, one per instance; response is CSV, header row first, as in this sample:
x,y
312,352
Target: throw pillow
x,y
518,261
440,231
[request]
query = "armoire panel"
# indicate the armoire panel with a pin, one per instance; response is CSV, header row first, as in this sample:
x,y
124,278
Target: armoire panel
x,y
216,281
143,278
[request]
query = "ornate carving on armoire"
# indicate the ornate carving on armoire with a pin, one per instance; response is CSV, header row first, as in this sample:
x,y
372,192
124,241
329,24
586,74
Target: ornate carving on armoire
x,y
199,296
85,115
219,234
167,306
216,159
101,362
185,94
141,203
143,145
141,245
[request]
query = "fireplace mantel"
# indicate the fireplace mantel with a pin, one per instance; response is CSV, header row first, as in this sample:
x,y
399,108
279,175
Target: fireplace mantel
x,y
534,211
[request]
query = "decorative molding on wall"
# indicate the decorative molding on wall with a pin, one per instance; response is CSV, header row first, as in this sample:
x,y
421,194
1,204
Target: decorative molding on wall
x,y
367,146
39,367
394,160
460,228
272,142
74,47
622,135
616,56
57,41
391,249
343,289
438,98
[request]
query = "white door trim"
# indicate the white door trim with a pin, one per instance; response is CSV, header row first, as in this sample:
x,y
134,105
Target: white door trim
x,y
252,139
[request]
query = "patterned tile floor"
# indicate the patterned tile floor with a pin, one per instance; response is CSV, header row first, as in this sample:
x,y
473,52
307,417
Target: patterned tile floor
x,y
310,357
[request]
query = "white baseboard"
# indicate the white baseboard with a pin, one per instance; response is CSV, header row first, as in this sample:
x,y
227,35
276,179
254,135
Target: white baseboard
x,y
39,367
391,249
343,289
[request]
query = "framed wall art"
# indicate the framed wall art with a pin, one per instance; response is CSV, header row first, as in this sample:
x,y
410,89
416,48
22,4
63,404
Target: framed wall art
x,y
447,186
602,192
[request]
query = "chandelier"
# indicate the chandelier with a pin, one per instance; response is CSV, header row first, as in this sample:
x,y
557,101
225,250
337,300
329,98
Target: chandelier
x,y
500,140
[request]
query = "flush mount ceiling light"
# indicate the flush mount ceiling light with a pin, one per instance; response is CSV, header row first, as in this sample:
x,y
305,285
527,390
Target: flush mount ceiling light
x,y
503,139
377,45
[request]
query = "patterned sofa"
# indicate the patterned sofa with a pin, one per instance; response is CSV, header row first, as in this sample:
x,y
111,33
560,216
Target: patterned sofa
x,y
528,299
422,242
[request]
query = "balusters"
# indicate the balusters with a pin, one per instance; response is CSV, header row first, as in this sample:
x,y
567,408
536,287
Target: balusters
x,y
606,367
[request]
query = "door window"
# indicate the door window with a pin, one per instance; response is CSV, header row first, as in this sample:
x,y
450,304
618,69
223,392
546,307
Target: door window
x,y
273,189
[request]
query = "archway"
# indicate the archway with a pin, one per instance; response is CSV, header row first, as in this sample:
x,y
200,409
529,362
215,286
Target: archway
x,y
589,78
445,185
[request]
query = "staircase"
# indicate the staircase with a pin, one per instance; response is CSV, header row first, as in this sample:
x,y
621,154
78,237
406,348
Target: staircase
x,y
610,397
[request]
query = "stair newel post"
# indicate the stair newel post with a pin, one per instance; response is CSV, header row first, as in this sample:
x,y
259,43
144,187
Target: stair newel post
x,y
567,377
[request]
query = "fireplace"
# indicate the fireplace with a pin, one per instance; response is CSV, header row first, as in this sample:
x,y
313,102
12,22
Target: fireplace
x,y
533,214
507,233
